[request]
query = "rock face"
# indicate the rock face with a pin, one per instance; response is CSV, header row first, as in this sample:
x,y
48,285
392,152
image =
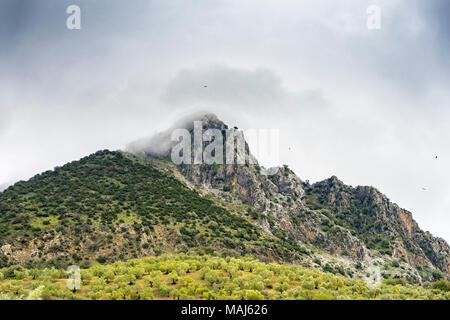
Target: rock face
x,y
382,225
279,195
355,223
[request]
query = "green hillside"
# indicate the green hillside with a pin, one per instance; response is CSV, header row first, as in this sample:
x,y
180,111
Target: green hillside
x,y
112,206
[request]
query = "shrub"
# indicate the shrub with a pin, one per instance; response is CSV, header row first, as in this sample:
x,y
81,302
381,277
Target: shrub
x,y
441,285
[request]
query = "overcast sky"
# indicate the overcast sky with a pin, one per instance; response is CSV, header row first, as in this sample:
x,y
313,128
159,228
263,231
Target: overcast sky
x,y
369,106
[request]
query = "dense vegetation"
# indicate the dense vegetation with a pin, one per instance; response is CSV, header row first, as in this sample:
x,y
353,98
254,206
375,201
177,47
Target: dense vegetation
x,y
112,206
204,277
350,212
378,223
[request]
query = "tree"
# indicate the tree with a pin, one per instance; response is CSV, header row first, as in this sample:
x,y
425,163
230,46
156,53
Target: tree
x,y
173,277
212,277
109,276
441,285
138,272
175,293
146,294
253,295
185,281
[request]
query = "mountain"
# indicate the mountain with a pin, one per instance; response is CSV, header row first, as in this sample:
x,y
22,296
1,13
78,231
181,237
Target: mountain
x,y
356,225
116,205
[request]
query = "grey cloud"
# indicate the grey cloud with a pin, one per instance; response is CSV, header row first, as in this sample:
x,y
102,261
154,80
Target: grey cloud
x,y
310,98
220,86
437,14
161,143
4,119
224,85
4,186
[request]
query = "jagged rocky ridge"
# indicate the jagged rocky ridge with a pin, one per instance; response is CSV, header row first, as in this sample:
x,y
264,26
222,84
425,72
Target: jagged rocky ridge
x,y
359,224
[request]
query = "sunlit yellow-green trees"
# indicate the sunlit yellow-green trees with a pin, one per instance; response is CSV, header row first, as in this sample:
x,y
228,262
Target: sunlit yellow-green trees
x,y
191,276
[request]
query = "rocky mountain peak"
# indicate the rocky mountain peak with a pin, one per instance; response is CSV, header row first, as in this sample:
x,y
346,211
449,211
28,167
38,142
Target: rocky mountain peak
x,y
161,144
211,121
359,223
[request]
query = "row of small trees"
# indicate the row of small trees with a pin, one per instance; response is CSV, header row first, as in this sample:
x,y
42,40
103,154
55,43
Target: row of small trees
x,y
205,277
